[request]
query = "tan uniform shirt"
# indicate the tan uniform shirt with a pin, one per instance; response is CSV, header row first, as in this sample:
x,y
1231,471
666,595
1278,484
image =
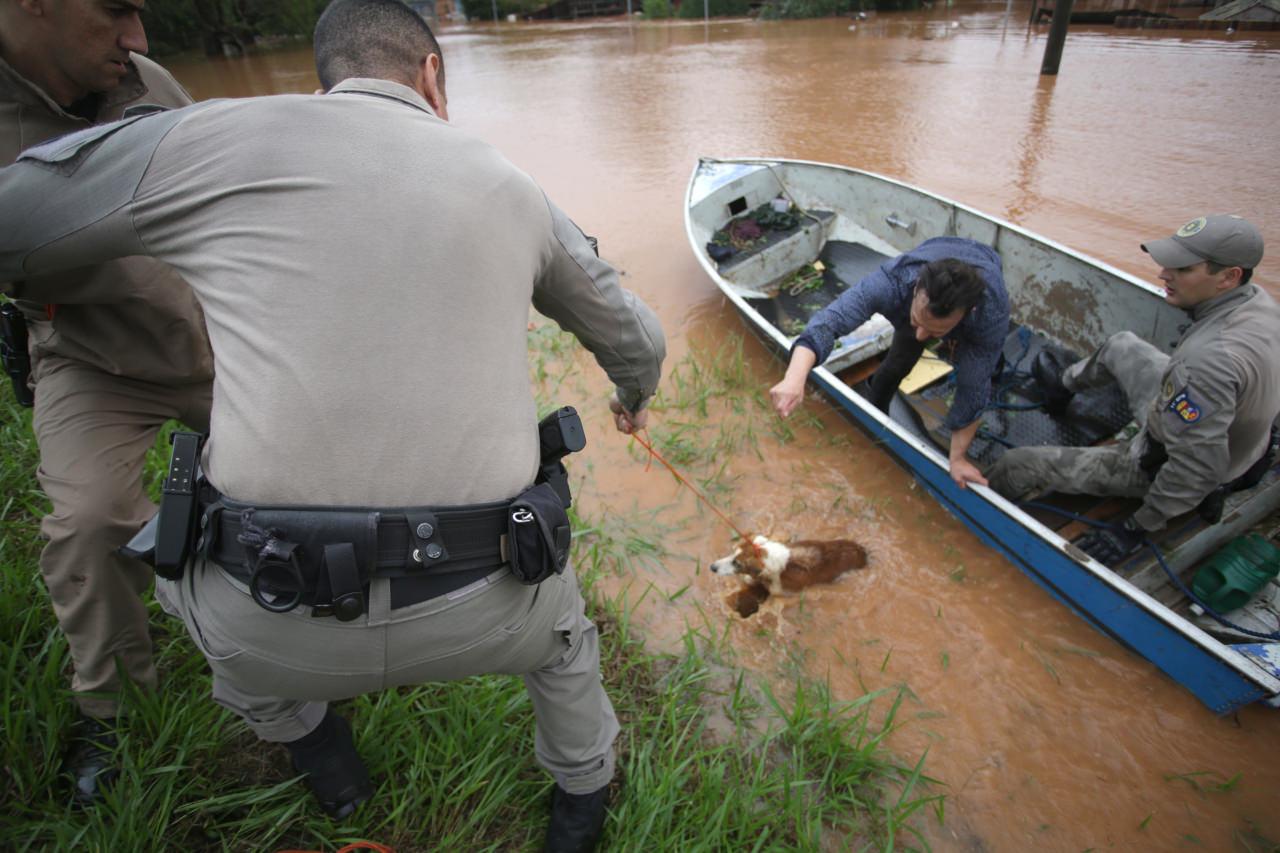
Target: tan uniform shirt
x,y
366,271
128,317
1218,397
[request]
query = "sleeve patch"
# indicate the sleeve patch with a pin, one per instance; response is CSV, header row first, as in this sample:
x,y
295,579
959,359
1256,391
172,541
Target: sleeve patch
x,y
1184,407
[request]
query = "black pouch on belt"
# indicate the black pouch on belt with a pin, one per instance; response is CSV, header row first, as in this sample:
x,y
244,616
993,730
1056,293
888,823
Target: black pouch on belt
x,y
538,534
323,559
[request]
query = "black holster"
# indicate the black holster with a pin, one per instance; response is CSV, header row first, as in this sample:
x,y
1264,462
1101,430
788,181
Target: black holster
x,y
1154,455
538,529
559,434
13,352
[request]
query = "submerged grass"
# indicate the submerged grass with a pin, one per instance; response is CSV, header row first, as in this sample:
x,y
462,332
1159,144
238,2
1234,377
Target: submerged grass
x,y
709,405
708,760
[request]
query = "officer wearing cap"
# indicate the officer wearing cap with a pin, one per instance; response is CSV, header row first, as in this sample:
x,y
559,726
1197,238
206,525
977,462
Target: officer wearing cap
x,y
366,270
1206,412
116,349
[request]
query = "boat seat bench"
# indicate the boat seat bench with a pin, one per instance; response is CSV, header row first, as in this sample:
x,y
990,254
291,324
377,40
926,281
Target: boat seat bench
x,y
778,254
845,265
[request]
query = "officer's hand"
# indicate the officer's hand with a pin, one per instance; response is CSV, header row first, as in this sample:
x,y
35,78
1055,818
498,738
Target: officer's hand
x,y
787,395
627,422
1112,545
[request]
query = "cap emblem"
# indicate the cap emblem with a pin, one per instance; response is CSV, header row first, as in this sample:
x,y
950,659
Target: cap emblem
x,y
1193,227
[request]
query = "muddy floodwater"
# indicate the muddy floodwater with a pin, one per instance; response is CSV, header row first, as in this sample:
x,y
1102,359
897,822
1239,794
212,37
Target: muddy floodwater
x,y
1043,734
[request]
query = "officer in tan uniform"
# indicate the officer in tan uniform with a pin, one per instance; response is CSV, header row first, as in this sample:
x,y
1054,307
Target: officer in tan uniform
x,y
1206,412
116,349
366,271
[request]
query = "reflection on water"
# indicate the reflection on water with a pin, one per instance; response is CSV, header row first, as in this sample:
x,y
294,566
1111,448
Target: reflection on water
x,y
1046,734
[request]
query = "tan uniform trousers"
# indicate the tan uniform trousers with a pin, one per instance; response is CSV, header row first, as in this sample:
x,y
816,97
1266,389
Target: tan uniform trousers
x,y
94,430
279,670
1025,472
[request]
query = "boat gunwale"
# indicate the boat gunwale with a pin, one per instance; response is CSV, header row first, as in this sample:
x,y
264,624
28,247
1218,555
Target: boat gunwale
x,y
1242,665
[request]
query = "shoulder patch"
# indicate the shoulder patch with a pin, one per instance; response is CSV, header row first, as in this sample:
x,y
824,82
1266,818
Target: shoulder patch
x,y
1184,407
64,154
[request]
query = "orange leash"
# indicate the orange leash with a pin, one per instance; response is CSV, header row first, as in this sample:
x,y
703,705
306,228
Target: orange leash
x,y
350,848
654,454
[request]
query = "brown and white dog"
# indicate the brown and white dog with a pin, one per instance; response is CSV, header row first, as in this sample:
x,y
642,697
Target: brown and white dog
x,y
769,567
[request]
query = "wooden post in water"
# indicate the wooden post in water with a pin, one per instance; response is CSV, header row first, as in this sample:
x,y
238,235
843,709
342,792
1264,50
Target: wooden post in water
x,y
495,11
1057,35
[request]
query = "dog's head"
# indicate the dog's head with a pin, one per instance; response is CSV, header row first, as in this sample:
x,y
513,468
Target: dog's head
x,y
761,556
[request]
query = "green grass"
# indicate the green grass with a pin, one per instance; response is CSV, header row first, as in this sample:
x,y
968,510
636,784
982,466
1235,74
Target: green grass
x,y
709,759
1205,781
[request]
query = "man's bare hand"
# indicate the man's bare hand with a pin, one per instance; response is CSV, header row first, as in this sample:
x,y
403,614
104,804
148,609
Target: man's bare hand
x,y
627,422
964,472
787,395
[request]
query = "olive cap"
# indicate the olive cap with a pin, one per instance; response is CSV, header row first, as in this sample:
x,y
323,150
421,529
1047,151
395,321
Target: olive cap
x,y
1224,239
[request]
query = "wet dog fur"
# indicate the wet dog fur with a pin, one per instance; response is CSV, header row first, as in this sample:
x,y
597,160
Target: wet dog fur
x,y
768,567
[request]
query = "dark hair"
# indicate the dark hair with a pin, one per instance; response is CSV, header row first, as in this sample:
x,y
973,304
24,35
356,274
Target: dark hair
x,y
951,285
1215,268
372,38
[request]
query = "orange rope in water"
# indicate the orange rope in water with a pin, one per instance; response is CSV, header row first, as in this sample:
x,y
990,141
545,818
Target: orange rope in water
x,y
654,454
350,848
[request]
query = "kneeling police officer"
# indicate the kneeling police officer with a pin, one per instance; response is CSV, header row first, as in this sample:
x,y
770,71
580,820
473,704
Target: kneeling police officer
x,y
370,511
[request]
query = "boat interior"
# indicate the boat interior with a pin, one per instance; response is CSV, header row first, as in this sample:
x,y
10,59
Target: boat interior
x,y
1057,299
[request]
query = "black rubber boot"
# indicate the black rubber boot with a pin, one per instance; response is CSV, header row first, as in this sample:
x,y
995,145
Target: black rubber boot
x,y
91,759
577,820
1047,369
335,772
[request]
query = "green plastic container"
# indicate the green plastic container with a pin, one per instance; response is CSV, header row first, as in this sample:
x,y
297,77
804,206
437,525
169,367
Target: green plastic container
x,y
1234,574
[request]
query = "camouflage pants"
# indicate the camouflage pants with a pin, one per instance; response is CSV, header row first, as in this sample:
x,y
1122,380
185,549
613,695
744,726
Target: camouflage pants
x,y
1136,366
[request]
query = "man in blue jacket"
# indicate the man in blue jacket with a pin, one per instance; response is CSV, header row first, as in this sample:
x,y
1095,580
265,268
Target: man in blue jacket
x,y
948,288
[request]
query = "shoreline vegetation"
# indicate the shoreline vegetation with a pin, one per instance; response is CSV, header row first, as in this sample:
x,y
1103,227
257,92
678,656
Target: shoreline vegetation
x,y
710,756
235,27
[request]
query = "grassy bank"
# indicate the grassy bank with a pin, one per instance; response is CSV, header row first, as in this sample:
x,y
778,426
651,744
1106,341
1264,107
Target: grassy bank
x,y
709,760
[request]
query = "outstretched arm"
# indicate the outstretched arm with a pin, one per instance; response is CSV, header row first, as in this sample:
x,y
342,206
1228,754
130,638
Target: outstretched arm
x,y
788,393
69,202
582,294
877,292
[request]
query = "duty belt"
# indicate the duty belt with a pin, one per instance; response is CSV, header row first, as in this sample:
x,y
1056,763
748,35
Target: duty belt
x,y
325,558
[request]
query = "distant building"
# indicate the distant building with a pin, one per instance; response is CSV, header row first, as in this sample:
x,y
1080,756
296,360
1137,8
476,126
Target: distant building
x,y
574,9
1245,10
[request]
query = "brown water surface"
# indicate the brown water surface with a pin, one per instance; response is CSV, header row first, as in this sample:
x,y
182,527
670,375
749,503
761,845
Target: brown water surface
x,y
1046,734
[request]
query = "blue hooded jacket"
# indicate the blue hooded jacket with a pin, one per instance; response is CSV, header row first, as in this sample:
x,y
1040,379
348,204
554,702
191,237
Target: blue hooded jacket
x,y
978,338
